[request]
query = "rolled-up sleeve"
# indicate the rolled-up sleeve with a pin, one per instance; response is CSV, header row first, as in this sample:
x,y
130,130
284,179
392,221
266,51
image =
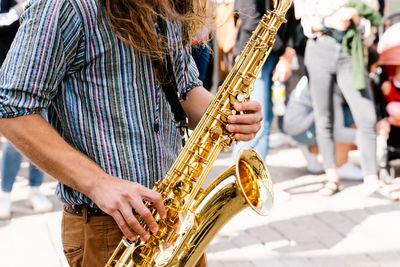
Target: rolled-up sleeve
x,y
186,72
39,58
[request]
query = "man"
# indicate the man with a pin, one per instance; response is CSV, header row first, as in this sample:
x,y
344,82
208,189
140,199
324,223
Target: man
x,y
94,65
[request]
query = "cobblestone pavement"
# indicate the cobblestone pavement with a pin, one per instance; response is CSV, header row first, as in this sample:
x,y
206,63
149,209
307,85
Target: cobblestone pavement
x,y
307,229
304,229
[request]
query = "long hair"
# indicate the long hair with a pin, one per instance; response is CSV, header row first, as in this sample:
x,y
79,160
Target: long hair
x,y
133,22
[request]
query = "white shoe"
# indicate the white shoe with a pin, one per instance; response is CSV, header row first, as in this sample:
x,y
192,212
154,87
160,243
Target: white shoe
x,y
313,165
5,205
38,201
349,171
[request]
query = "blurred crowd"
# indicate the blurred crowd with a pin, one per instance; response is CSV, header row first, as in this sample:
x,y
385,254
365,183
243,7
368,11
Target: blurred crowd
x,y
332,82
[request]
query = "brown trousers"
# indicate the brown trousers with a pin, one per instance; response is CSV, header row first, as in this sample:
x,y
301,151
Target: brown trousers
x,y
90,241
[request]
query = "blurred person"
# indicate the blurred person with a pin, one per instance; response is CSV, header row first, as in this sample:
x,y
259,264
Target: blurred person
x,y
11,162
202,46
11,158
386,78
226,34
391,93
389,61
382,7
299,123
334,54
10,11
201,52
278,67
98,68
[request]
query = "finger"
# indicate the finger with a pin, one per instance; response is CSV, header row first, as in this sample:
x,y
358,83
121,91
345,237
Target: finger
x,y
275,76
243,137
244,128
133,222
145,213
251,118
285,76
249,106
126,230
157,201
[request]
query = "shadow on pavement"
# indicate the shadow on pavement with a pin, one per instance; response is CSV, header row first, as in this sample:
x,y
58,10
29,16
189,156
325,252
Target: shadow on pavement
x,y
304,230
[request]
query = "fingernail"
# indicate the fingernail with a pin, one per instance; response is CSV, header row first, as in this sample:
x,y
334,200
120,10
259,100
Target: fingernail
x,y
238,107
232,119
232,128
154,228
145,237
163,216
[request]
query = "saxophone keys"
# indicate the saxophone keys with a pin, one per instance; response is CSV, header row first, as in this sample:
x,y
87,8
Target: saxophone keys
x,y
172,206
240,97
227,142
215,132
246,80
182,188
138,256
163,230
225,113
195,169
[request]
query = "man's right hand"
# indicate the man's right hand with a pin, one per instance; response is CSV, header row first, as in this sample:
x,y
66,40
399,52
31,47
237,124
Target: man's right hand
x,y
118,198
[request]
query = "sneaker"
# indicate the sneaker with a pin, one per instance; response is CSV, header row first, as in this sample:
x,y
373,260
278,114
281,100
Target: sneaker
x,y
349,171
377,189
371,187
38,201
313,165
5,205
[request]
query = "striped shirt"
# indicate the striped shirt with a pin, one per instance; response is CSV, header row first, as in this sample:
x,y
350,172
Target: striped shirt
x,y
102,95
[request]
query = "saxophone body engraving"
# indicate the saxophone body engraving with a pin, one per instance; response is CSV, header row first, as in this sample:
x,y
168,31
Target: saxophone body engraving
x,y
195,215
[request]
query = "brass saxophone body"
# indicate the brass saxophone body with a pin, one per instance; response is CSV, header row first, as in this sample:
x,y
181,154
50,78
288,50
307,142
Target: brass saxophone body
x,y
195,215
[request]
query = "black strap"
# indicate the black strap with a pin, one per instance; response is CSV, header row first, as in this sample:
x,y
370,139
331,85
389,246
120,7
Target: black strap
x,y
170,87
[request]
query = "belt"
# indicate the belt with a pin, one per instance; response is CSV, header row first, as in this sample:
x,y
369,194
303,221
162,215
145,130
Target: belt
x,y
83,209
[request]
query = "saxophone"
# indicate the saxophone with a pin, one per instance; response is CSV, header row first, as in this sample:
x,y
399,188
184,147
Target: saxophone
x,y
195,215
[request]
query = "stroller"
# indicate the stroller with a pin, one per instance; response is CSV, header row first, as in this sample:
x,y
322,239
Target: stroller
x,y
389,58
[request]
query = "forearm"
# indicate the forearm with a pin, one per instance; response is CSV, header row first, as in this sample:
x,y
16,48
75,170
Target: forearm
x,y
198,99
37,140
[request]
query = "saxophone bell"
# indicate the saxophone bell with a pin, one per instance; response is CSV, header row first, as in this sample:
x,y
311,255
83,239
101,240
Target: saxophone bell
x,y
246,184
255,181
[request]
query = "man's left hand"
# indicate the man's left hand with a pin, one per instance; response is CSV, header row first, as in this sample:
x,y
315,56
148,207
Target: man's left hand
x,y
246,125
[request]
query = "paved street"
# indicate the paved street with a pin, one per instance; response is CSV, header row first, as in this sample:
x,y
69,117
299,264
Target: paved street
x,y
303,230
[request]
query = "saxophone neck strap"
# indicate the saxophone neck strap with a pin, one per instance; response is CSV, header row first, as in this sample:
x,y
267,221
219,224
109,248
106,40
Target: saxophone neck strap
x,y
170,87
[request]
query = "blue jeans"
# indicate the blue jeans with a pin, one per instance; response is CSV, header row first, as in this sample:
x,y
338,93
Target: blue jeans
x,y
11,163
262,94
202,56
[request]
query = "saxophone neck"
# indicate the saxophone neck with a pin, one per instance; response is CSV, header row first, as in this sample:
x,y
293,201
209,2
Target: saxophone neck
x,y
282,5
